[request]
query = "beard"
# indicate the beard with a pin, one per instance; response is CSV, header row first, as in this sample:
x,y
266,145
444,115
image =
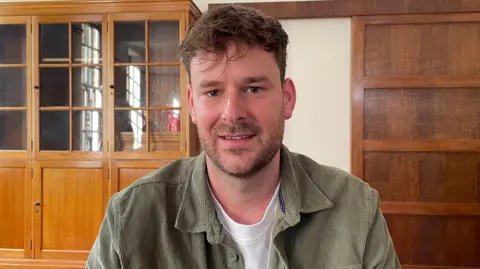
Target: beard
x,y
262,155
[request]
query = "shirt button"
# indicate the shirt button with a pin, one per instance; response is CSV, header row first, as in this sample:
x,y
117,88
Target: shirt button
x,y
233,256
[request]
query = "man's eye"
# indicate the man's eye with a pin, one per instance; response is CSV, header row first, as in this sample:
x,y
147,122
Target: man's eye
x,y
254,89
213,93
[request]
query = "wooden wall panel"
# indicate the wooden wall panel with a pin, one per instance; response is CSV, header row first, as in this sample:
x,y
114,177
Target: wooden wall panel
x,y
12,193
416,132
422,49
424,177
127,176
14,213
125,173
422,114
436,241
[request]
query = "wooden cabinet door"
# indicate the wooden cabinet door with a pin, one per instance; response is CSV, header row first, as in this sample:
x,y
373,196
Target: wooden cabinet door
x,y
148,115
125,173
15,176
15,209
68,76
416,132
69,204
15,86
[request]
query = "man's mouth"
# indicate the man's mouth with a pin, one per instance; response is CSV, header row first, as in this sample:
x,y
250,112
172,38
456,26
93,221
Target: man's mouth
x,y
236,137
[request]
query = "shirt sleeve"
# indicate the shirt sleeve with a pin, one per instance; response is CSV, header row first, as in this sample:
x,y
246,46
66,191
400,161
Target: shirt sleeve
x,y
104,252
379,249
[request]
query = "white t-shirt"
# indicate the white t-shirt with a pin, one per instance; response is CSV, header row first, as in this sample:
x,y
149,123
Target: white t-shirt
x,y
253,241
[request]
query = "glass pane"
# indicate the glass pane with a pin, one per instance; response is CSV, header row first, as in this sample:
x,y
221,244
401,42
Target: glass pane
x,y
13,44
54,86
164,86
12,87
87,43
130,86
54,43
165,130
87,86
130,130
164,41
130,42
54,130
87,130
13,130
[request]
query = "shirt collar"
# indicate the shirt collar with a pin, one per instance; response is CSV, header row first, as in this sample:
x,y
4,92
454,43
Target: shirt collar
x,y
299,194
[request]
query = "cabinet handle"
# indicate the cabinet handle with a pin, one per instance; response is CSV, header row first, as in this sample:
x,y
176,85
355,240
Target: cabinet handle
x,y
112,87
37,204
36,87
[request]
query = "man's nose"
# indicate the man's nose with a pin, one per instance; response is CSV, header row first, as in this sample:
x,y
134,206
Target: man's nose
x,y
234,109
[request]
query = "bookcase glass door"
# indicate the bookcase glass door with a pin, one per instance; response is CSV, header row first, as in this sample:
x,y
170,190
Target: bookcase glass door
x,y
13,86
147,99
70,85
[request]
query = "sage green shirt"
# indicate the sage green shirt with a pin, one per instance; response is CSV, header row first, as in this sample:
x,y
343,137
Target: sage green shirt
x,y
327,218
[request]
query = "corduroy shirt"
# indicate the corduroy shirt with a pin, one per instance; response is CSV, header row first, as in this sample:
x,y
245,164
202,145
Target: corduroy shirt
x,y
327,218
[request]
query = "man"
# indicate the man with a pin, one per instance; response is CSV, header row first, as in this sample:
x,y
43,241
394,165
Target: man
x,y
246,201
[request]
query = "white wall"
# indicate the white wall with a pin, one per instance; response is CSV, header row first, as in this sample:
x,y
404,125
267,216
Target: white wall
x,y
319,64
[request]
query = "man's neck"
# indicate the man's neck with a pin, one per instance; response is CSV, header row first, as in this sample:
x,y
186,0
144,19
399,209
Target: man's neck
x,y
245,199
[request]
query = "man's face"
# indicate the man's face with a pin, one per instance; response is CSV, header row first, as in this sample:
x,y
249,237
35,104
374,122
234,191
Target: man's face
x,y
239,107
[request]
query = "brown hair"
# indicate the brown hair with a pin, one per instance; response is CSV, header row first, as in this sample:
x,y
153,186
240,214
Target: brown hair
x,y
240,24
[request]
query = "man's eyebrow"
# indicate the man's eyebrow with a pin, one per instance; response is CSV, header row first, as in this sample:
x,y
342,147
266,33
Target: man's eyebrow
x,y
209,83
255,79
246,80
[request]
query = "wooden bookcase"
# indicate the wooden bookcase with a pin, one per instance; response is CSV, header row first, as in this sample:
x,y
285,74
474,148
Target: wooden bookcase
x,y
92,97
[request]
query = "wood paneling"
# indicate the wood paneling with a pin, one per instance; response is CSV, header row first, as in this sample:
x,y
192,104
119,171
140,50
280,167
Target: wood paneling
x,y
436,241
12,186
43,264
424,177
424,49
433,209
458,145
422,114
92,7
357,95
433,267
399,82
125,173
71,199
15,218
347,8
416,132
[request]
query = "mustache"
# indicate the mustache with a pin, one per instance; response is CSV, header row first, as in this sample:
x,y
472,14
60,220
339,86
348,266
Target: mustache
x,y
223,129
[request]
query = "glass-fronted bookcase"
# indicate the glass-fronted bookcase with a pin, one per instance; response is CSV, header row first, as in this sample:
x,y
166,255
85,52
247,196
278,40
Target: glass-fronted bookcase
x,y
89,103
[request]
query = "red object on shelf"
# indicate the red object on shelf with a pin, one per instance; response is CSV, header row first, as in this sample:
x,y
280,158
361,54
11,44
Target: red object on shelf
x,y
173,121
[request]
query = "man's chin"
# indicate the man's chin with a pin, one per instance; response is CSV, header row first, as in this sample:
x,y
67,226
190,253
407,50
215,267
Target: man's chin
x,y
236,164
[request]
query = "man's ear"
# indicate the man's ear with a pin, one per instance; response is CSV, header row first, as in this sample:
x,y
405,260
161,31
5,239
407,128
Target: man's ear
x,y
289,98
191,105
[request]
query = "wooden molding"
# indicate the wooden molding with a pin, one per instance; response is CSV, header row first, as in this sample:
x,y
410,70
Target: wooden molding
x,y
435,267
94,7
195,10
357,96
456,145
349,8
44,264
430,209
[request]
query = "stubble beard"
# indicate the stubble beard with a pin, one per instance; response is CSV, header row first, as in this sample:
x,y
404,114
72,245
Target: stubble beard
x,y
263,155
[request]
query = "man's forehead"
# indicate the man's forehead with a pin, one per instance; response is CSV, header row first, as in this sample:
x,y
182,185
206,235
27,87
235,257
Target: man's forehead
x,y
239,65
